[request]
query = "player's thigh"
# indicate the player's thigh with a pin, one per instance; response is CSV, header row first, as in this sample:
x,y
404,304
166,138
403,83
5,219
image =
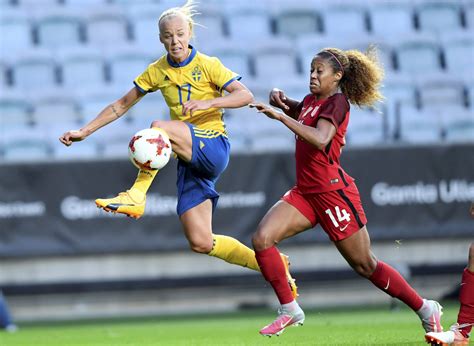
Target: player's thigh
x,y
197,226
180,137
282,221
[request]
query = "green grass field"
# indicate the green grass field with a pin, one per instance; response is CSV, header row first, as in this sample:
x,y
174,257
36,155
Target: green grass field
x,y
329,327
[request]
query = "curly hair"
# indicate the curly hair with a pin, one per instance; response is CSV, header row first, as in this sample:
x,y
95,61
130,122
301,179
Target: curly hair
x,y
362,74
188,10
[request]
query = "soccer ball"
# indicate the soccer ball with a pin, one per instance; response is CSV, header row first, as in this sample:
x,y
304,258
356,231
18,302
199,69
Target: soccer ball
x,y
150,149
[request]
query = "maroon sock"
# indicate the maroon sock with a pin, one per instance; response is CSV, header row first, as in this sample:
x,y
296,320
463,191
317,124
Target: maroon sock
x,y
466,298
390,281
273,270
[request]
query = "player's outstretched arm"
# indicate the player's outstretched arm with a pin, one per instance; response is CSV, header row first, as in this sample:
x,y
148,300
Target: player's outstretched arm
x,y
278,99
110,113
320,136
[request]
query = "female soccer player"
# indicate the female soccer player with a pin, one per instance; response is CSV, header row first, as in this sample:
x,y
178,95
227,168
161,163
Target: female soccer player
x,y
324,193
192,85
459,332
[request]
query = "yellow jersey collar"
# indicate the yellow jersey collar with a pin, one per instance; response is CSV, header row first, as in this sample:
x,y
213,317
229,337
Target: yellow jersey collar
x,y
185,62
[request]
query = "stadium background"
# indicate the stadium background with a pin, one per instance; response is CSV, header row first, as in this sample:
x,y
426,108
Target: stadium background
x,y
62,61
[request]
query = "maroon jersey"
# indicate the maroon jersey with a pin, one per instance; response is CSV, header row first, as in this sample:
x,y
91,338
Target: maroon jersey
x,y
319,170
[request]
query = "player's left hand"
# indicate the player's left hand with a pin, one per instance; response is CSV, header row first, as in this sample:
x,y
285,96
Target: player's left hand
x,y
267,110
195,105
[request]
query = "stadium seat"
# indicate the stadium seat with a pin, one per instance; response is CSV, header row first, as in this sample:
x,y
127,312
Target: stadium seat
x,y
51,132
271,143
469,14
127,63
419,126
344,19
3,76
35,3
106,27
294,20
210,26
397,89
441,90
85,150
34,70
93,100
150,107
58,29
458,124
439,16
17,35
459,52
418,55
54,107
392,19
14,110
366,127
249,26
82,68
78,3
309,45
275,60
144,24
384,50
24,148
470,96
234,56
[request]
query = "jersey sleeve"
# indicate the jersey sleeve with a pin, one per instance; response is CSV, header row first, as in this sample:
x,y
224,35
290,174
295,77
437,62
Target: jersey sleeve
x,y
148,80
220,75
335,109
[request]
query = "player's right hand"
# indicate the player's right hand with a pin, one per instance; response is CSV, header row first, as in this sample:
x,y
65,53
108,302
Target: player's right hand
x,y
278,99
72,136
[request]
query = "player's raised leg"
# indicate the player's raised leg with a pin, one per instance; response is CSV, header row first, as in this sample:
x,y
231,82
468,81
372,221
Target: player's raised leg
x,y
132,201
356,250
459,333
282,221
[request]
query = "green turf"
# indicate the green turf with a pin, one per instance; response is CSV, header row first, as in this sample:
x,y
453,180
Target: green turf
x,y
357,327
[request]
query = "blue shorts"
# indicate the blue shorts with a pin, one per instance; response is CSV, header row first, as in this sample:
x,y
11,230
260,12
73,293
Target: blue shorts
x,y
197,178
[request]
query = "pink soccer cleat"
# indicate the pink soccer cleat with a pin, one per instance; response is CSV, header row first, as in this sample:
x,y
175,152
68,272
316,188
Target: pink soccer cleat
x,y
284,319
451,337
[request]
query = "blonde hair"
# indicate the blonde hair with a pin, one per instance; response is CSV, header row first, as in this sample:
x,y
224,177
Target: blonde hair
x,y
188,11
362,74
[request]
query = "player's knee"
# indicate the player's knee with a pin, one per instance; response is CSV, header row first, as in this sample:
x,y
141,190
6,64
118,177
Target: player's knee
x,y
159,123
365,267
261,239
201,245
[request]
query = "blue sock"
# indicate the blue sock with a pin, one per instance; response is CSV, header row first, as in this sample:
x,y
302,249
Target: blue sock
x,y
5,319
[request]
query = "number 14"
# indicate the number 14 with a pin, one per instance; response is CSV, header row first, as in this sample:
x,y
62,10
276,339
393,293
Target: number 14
x,y
341,215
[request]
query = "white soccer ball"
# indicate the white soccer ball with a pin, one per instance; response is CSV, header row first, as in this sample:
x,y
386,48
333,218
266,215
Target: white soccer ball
x,y
150,149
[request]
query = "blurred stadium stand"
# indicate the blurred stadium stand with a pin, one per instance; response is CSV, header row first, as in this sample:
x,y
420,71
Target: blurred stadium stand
x,y
76,45
63,61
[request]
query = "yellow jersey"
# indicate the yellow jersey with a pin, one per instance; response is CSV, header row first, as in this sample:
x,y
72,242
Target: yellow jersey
x,y
199,77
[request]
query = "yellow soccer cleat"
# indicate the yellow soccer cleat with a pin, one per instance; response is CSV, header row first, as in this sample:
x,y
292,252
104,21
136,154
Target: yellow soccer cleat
x,y
291,281
128,203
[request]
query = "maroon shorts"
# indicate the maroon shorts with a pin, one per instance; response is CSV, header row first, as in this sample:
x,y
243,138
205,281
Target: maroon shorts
x,y
339,212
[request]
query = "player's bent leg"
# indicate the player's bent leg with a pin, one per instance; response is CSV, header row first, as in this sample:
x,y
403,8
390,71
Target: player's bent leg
x,y
180,137
281,221
197,226
132,202
356,250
